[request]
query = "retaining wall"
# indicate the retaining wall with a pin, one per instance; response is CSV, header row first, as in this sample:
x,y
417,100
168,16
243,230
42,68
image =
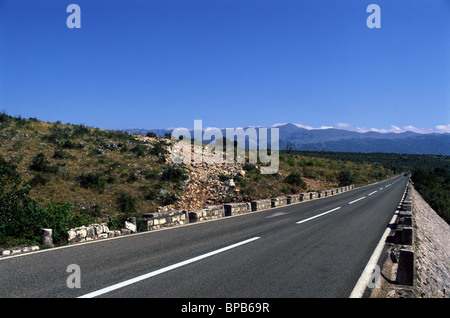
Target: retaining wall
x,y
208,213
278,201
258,205
237,208
294,198
159,220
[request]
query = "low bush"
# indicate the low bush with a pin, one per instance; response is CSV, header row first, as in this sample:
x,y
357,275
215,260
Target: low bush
x,y
22,218
126,202
168,198
295,179
93,181
41,164
174,174
345,178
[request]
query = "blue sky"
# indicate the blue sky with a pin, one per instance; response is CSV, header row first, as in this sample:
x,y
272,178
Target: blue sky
x,y
230,63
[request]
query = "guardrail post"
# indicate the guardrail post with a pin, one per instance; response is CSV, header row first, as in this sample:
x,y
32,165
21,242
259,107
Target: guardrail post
x,y
47,237
405,272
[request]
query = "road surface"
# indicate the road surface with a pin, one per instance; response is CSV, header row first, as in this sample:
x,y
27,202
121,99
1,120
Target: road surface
x,y
316,248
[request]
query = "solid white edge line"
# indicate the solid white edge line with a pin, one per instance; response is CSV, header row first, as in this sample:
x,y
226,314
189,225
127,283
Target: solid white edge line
x,y
366,275
163,270
318,215
357,200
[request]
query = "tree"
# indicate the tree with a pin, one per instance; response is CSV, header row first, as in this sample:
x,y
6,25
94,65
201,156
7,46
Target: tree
x,y
345,178
295,179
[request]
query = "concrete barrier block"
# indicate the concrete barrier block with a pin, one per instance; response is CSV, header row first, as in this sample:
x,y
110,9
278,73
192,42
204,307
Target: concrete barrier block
x,y
305,197
279,201
406,221
406,207
258,205
207,213
407,235
405,270
293,198
236,208
47,237
157,220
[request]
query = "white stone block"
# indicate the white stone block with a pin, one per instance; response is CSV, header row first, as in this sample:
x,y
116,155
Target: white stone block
x,y
130,226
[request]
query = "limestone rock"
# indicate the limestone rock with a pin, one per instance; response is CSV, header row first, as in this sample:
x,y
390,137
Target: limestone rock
x,y
130,226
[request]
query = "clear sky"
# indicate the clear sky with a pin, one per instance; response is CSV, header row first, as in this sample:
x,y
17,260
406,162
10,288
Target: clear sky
x,y
230,63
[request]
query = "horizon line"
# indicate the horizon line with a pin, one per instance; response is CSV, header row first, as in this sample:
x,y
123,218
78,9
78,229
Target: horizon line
x,y
439,129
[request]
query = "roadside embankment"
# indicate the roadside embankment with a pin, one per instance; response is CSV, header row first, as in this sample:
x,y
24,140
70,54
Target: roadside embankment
x,y
417,260
432,250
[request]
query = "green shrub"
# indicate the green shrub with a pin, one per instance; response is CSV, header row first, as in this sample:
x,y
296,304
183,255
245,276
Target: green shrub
x,y
291,161
41,164
345,178
116,222
139,150
80,130
40,179
125,202
61,154
4,117
22,219
151,174
251,168
224,177
158,149
132,177
295,179
68,144
434,186
93,181
168,198
149,192
174,174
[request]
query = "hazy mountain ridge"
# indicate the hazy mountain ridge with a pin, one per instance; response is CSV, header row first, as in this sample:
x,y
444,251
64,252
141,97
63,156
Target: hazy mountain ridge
x,y
333,139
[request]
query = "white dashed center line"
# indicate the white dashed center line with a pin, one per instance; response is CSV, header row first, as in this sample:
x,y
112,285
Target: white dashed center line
x,y
318,215
357,200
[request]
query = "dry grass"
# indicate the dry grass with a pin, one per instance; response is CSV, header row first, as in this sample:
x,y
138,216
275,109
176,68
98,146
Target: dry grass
x,y
126,163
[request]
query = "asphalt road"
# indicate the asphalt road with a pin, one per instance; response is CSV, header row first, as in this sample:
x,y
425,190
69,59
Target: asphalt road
x,y
313,249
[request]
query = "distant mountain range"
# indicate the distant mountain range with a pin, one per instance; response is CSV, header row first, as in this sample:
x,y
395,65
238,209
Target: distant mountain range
x,y
297,138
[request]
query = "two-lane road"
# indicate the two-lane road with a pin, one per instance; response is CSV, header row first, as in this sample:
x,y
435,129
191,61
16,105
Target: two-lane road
x,y
316,248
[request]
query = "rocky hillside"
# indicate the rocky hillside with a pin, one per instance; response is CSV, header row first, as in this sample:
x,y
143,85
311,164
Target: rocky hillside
x,y
109,174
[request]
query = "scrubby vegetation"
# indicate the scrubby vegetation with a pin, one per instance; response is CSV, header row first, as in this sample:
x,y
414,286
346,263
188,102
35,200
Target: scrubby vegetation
x,y
22,218
430,173
63,175
300,172
434,186
68,171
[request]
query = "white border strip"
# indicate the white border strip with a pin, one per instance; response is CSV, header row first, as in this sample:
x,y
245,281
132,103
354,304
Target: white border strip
x,y
366,275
